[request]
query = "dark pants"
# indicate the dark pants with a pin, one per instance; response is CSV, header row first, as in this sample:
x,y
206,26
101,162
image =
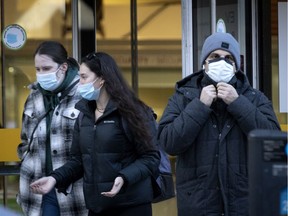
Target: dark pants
x,y
139,210
50,204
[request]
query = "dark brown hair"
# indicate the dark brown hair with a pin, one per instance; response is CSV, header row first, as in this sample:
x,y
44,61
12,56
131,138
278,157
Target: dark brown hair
x,y
130,107
56,52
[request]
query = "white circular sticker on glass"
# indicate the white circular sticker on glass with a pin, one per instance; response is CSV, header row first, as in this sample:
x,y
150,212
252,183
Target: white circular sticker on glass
x,y
220,26
14,36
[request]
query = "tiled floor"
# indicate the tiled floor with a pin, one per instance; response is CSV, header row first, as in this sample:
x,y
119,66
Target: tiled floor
x,y
165,208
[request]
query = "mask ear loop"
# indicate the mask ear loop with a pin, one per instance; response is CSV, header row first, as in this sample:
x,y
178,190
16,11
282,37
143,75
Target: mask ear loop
x,y
95,80
234,67
206,66
101,82
61,70
64,67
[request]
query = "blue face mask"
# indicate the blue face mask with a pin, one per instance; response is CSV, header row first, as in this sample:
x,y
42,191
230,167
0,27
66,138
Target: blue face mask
x,y
49,81
88,91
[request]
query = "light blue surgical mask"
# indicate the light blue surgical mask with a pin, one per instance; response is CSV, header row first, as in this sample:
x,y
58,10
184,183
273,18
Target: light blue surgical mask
x,y
88,91
49,81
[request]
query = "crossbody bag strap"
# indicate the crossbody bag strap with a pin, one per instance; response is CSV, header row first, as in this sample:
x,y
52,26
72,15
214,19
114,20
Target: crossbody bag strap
x,y
40,119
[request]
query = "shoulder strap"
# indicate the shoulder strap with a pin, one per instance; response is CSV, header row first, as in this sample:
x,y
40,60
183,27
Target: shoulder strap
x,y
45,114
80,117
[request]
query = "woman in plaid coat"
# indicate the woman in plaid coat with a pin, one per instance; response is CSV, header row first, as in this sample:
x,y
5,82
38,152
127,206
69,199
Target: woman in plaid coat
x,y
47,127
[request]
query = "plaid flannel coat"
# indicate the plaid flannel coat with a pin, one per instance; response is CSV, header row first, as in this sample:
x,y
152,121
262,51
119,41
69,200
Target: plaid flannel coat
x,y
33,161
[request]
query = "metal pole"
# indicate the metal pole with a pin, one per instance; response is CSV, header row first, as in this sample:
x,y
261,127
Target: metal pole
x,y
3,68
213,16
3,98
134,49
75,29
95,23
255,45
187,38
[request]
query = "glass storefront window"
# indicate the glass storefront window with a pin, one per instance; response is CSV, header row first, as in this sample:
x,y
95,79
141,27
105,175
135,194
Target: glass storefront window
x,y
231,13
202,27
42,20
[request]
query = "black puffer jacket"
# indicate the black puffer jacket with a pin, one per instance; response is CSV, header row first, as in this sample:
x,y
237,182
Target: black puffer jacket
x,y
101,151
211,145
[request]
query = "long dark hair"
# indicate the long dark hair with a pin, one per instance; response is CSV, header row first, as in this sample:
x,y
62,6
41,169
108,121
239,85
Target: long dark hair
x,y
130,107
57,53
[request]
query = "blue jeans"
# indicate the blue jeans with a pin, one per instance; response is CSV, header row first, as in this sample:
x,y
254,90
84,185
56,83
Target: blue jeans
x,y
50,204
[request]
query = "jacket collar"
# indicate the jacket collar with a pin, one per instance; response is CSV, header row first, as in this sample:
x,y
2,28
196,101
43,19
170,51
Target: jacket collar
x,y
88,107
191,85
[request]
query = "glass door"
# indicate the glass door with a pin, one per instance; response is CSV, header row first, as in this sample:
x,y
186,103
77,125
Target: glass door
x,y
218,16
279,45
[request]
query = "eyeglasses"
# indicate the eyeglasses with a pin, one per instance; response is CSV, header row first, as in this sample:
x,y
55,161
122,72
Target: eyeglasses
x,y
93,56
213,56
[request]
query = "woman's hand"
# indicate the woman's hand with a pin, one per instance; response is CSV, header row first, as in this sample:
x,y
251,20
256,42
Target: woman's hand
x,y
43,185
118,183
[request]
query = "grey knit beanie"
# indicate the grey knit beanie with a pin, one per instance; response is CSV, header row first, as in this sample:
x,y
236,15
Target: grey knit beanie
x,y
223,41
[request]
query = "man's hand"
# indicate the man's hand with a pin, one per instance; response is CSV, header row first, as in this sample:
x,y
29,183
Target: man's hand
x,y
43,185
208,95
118,183
226,92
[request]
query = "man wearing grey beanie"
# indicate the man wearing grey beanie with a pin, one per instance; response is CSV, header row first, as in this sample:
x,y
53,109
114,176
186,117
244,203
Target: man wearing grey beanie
x,y
206,123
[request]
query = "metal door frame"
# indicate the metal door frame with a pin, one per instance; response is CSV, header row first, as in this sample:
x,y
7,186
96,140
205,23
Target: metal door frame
x,y
251,31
